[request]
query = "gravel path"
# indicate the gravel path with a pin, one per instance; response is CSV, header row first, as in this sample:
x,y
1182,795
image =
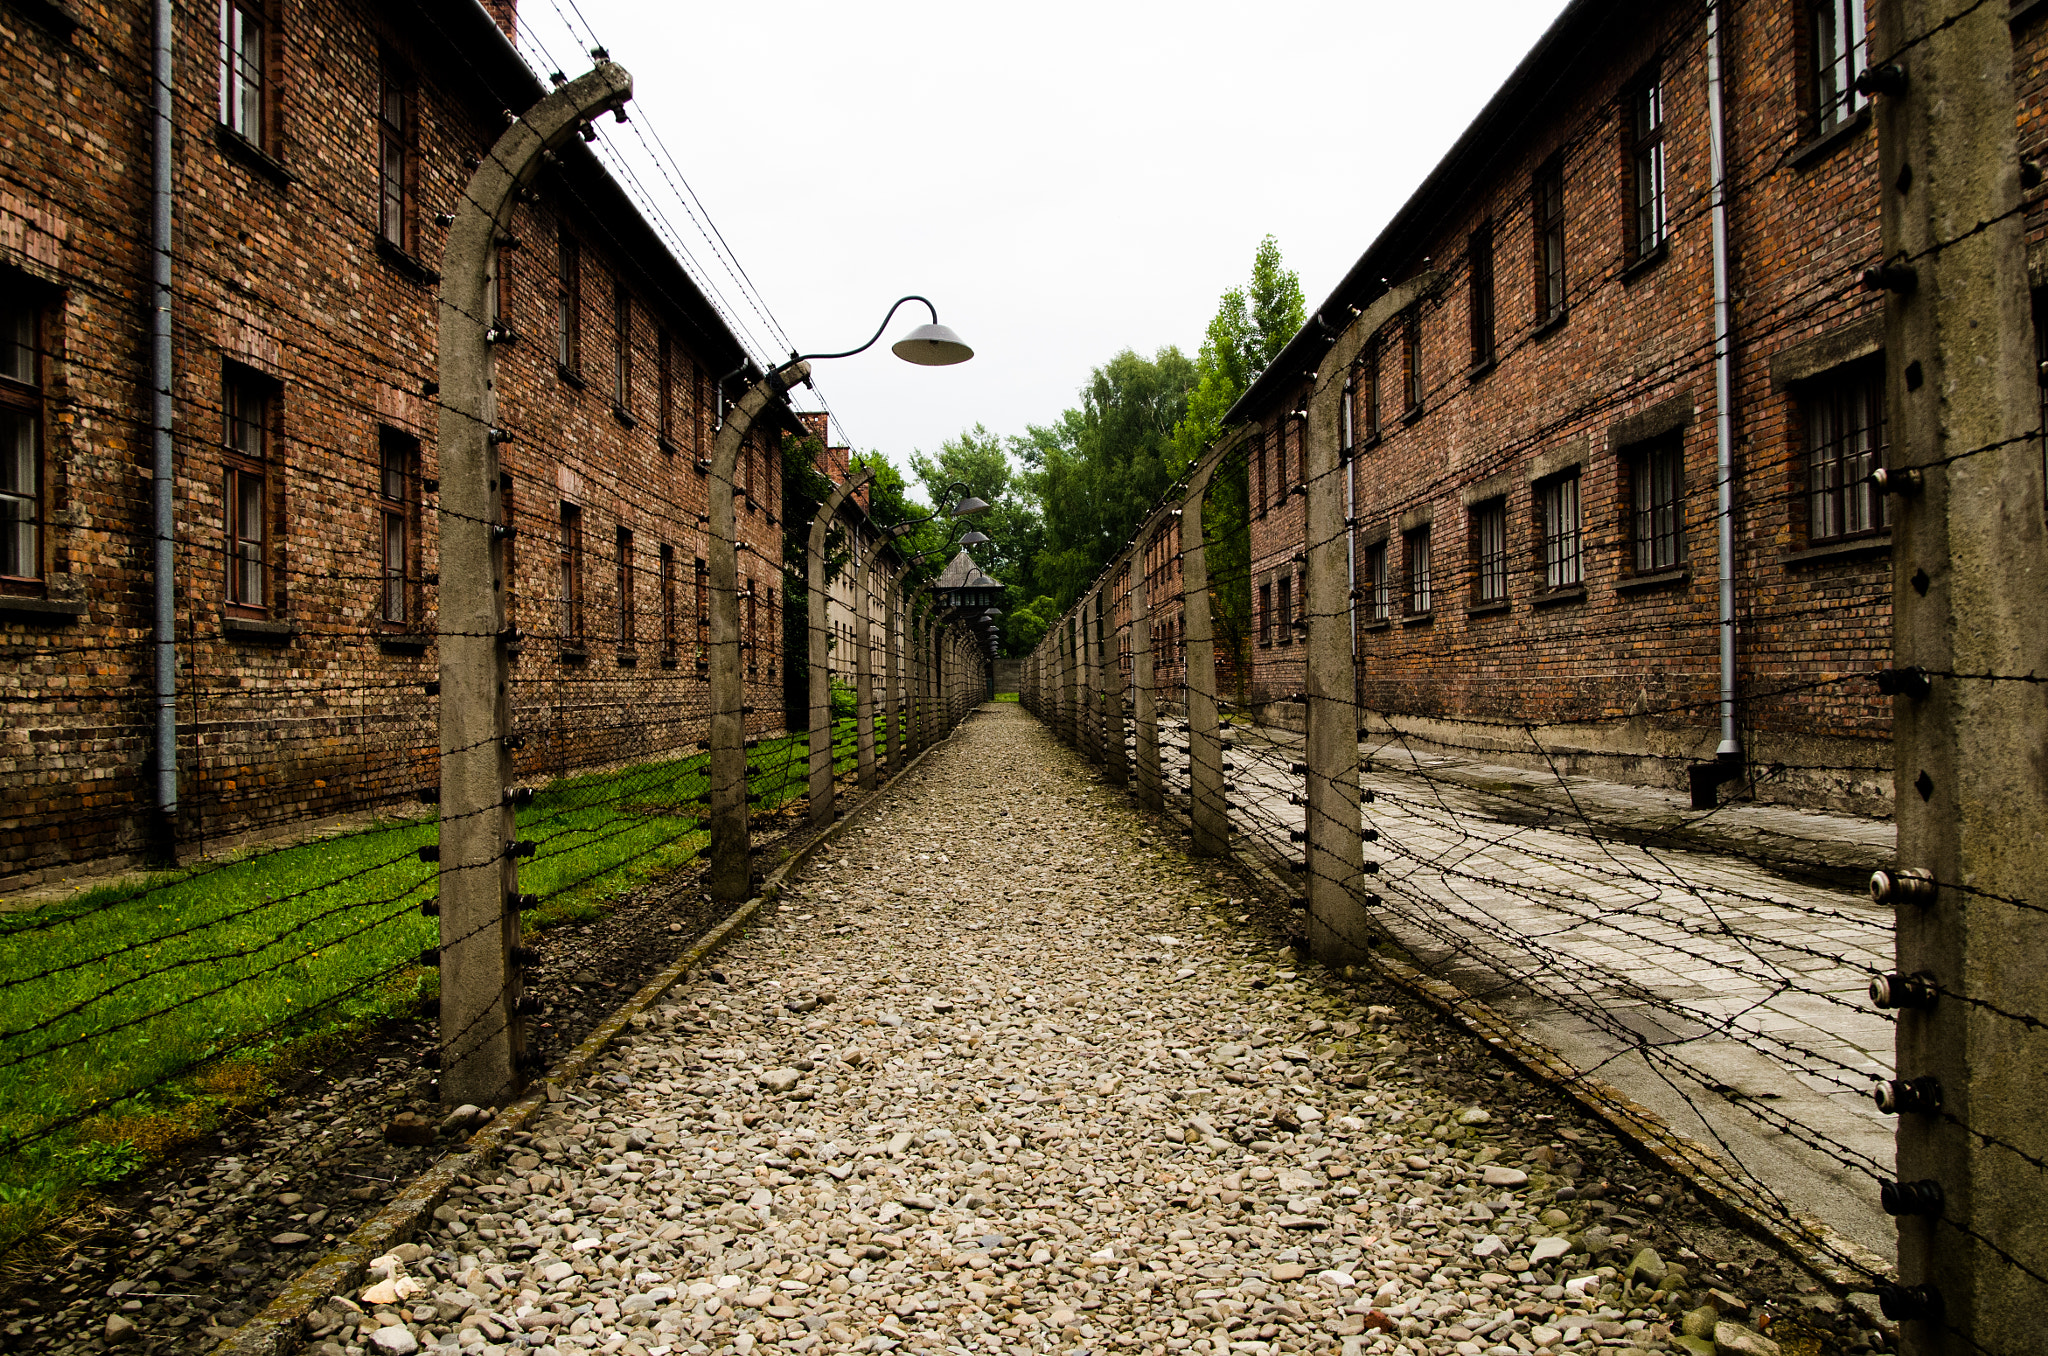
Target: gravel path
x,y
1006,1072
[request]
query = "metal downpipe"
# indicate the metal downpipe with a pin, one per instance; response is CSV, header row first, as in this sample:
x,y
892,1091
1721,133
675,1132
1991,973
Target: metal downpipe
x,y
1730,749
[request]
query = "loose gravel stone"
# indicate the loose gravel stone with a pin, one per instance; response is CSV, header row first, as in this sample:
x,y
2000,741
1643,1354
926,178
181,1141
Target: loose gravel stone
x,y
1004,1073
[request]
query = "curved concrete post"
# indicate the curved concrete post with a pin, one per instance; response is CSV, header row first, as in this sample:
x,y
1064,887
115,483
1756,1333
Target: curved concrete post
x,y
731,877
864,671
483,1041
1335,852
1206,808
1145,700
891,749
1114,760
821,795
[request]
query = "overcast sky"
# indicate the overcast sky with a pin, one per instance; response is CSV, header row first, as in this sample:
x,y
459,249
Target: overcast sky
x,y
1063,179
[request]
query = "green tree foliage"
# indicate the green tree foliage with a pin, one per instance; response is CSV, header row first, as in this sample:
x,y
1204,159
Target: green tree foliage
x,y
980,460
1251,325
1097,470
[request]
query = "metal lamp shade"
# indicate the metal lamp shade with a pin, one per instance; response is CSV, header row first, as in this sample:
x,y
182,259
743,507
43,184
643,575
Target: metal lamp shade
x,y
970,506
975,538
932,346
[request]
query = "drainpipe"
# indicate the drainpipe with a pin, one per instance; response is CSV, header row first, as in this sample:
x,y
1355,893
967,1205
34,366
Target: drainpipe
x,y
164,583
1727,765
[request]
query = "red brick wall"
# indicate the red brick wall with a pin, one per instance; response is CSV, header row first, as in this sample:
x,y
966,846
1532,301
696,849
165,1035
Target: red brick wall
x,y
285,279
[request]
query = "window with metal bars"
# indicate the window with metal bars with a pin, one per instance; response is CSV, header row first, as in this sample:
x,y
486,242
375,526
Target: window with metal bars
x,y
1838,57
1415,556
21,441
569,576
1284,599
1266,614
1558,504
394,154
703,656
1379,584
1411,362
398,456
1479,268
1259,471
668,601
246,419
1845,442
1657,497
1546,195
244,52
628,620
568,304
1646,168
622,348
753,636
665,392
1489,530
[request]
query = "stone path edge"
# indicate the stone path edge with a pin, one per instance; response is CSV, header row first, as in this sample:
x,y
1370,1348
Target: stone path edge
x,y
1643,1129
277,1330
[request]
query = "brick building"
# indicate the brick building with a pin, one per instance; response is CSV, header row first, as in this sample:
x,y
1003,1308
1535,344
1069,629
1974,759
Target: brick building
x,y
1532,423
315,145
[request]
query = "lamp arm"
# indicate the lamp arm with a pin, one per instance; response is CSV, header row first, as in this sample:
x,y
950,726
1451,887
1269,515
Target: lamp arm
x,y
793,358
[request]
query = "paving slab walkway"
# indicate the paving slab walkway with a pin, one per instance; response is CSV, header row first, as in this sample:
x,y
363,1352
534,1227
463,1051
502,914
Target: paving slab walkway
x,y
1005,1072
1712,964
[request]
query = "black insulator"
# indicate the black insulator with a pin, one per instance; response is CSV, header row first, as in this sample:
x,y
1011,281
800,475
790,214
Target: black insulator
x,y
1912,1198
431,853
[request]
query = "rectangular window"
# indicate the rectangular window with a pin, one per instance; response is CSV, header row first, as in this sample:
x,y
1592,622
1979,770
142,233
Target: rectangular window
x,y
775,636
1411,362
1280,460
1657,473
1379,584
1646,168
245,445
746,485
399,458
1285,600
668,601
21,441
628,621
1415,552
1265,614
1559,504
1844,444
569,576
242,70
703,615
394,160
1490,552
1479,257
622,348
1838,58
753,636
665,393
1547,203
568,304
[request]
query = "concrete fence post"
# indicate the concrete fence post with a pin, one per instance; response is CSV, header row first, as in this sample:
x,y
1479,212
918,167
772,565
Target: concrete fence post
x,y
864,670
1207,808
820,734
483,1040
731,876
1114,760
1145,698
1334,853
1970,644
893,656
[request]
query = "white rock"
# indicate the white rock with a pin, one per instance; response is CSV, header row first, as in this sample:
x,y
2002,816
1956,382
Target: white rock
x,y
1546,1248
395,1341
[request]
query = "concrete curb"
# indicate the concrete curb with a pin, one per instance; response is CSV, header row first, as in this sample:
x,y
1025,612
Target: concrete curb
x,y
1814,1245
278,1329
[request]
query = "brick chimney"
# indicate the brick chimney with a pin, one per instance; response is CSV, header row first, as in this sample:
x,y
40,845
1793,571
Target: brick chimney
x,y
815,423
506,12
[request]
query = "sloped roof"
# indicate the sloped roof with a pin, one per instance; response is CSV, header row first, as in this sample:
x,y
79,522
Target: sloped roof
x,y
962,573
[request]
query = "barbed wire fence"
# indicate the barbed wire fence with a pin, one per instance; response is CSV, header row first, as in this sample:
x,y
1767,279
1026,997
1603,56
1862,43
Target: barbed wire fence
x,y
511,720
1470,842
